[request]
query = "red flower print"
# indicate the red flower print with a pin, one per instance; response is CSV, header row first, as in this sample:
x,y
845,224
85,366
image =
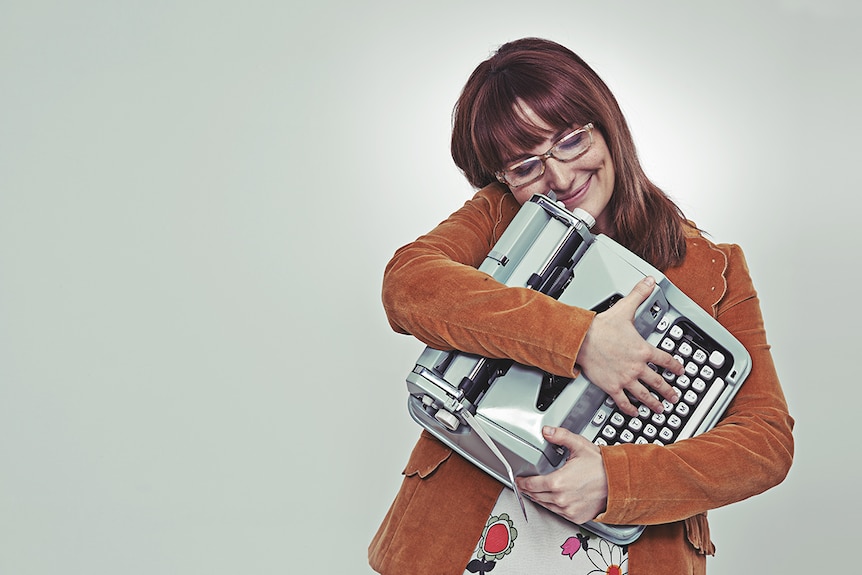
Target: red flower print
x,y
498,538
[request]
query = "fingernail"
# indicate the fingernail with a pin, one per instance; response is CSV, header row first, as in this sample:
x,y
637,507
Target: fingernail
x,y
548,431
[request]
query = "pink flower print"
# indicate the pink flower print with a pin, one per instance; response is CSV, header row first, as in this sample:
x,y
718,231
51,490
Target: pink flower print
x,y
575,544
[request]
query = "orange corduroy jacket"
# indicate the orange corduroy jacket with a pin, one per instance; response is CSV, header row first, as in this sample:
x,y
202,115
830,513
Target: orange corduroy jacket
x,y
432,290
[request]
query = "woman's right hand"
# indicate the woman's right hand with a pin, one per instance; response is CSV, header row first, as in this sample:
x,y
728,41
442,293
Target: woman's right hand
x,y
614,356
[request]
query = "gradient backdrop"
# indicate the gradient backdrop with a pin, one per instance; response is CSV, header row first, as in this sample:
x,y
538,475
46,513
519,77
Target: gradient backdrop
x,y
197,200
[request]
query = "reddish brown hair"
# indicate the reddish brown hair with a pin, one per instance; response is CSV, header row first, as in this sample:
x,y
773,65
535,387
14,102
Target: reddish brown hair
x,y
562,90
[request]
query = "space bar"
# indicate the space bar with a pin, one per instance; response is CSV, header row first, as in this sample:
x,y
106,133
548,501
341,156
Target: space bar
x,y
702,409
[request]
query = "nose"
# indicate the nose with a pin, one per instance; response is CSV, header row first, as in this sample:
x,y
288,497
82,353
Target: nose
x,y
558,175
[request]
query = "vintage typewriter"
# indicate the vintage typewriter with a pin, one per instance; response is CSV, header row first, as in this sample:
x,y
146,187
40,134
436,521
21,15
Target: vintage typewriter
x,y
491,411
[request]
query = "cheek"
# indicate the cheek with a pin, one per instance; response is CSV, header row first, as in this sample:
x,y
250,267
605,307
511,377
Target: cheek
x,y
611,180
522,195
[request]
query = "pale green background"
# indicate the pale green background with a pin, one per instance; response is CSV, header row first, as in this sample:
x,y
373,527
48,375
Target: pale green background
x,y
197,200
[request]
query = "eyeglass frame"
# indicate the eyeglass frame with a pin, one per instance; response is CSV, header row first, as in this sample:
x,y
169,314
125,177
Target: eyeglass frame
x,y
543,158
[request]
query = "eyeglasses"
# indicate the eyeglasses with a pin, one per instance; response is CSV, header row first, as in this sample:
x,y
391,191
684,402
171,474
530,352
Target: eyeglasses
x,y
568,148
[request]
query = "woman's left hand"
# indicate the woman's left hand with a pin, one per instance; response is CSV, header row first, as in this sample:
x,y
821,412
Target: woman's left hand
x,y
577,491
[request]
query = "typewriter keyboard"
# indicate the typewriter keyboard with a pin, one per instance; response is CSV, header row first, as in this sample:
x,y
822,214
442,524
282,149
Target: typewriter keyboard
x,y
706,365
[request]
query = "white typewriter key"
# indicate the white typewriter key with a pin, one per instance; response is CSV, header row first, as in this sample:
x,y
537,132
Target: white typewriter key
x,y
627,436
699,356
635,424
716,359
667,344
680,359
668,375
662,324
674,421
600,417
658,418
676,332
600,441
682,409
683,382
650,431
665,434
641,440
707,372
644,411
617,419
699,385
690,397
668,406
609,432
691,368
685,349
657,442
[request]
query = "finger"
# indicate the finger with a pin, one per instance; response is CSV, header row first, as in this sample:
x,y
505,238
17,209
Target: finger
x,y
665,360
639,293
623,402
647,398
545,496
577,445
564,438
534,487
660,386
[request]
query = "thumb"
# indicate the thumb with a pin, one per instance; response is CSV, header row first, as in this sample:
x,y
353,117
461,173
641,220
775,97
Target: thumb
x,y
640,292
565,438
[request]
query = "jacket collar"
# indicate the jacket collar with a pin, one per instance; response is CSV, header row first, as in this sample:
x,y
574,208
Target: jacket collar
x,y
702,275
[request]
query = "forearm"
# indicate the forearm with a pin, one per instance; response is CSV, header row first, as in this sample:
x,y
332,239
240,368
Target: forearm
x,y
432,290
736,460
748,452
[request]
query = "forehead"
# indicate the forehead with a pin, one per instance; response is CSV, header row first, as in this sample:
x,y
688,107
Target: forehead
x,y
536,132
525,113
507,130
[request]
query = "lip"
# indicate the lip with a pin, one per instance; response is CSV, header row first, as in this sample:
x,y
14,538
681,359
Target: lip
x,y
575,196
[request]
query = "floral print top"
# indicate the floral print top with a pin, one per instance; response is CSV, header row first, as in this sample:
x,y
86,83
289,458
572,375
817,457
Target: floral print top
x,y
548,544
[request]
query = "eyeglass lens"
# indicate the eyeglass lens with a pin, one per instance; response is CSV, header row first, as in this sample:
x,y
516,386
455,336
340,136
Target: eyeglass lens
x,y
565,150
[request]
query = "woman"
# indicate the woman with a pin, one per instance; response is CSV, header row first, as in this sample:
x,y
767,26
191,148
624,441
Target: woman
x,y
534,118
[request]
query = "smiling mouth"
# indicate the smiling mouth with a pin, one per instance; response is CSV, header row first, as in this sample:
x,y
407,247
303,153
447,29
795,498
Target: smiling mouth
x,y
576,193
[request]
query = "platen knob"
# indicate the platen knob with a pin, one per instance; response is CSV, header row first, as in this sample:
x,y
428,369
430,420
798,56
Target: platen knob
x,y
585,217
447,419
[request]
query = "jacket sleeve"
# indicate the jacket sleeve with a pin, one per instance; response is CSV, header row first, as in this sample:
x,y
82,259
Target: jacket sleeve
x,y
432,290
749,450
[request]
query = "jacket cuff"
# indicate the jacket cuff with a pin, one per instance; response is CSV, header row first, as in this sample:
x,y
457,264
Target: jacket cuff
x,y
619,474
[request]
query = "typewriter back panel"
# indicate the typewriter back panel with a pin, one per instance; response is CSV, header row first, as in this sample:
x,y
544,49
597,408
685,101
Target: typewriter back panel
x,y
541,240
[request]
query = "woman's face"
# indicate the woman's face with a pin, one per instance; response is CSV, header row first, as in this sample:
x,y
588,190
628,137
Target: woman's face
x,y
586,182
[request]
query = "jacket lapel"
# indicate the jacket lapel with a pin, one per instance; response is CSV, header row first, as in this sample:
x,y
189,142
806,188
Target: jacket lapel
x,y
701,277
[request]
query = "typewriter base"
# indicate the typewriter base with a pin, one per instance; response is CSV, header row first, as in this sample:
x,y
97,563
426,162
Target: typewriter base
x,y
467,445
